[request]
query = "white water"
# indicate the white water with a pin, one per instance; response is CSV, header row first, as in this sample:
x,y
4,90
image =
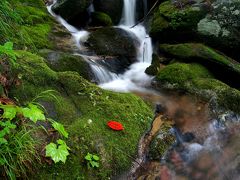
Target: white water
x,y
80,36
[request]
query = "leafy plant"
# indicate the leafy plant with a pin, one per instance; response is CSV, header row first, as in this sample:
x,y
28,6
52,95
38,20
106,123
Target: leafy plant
x,y
6,50
92,160
11,124
58,152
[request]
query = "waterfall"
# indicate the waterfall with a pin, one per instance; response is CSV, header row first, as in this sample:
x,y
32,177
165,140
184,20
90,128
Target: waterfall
x,y
129,13
135,78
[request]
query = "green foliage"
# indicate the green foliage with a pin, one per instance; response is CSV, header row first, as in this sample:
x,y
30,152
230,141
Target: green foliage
x,y
58,152
33,113
92,160
9,126
60,128
7,50
9,19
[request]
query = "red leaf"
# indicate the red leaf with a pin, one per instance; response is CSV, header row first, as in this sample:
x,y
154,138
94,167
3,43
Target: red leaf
x,y
115,125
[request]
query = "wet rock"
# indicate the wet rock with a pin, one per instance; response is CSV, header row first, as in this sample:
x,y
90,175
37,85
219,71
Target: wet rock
x,y
171,23
214,23
73,11
221,28
196,79
61,62
118,47
160,144
221,66
100,19
113,8
154,68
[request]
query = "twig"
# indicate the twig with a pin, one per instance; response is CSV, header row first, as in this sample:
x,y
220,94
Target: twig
x,y
141,20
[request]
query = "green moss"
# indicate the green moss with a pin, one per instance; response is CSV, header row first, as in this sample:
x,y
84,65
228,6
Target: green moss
x,y
180,74
154,68
161,143
78,103
36,36
101,19
223,67
60,62
33,69
32,15
170,18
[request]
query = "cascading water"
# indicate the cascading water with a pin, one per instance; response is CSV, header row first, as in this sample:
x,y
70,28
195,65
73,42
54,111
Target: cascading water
x,y
135,78
79,36
129,13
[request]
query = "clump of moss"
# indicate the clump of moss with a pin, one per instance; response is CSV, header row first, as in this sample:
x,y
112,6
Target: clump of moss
x,y
169,18
60,62
180,74
101,19
35,36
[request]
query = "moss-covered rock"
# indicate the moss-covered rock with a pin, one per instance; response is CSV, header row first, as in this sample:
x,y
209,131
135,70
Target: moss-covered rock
x,y
195,79
69,9
163,141
101,19
223,67
220,28
154,68
60,62
85,109
118,47
113,42
113,8
171,22
180,74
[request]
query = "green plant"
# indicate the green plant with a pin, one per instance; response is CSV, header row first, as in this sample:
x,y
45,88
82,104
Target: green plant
x,y
58,152
6,50
16,141
92,160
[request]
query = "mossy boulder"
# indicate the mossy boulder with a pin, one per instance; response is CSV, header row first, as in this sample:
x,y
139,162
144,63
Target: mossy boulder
x,y
195,79
220,28
60,62
113,42
118,46
173,23
154,68
180,74
160,144
101,19
84,109
223,67
113,8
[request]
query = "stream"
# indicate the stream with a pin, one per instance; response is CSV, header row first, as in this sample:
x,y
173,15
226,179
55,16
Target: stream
x,y
204,144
